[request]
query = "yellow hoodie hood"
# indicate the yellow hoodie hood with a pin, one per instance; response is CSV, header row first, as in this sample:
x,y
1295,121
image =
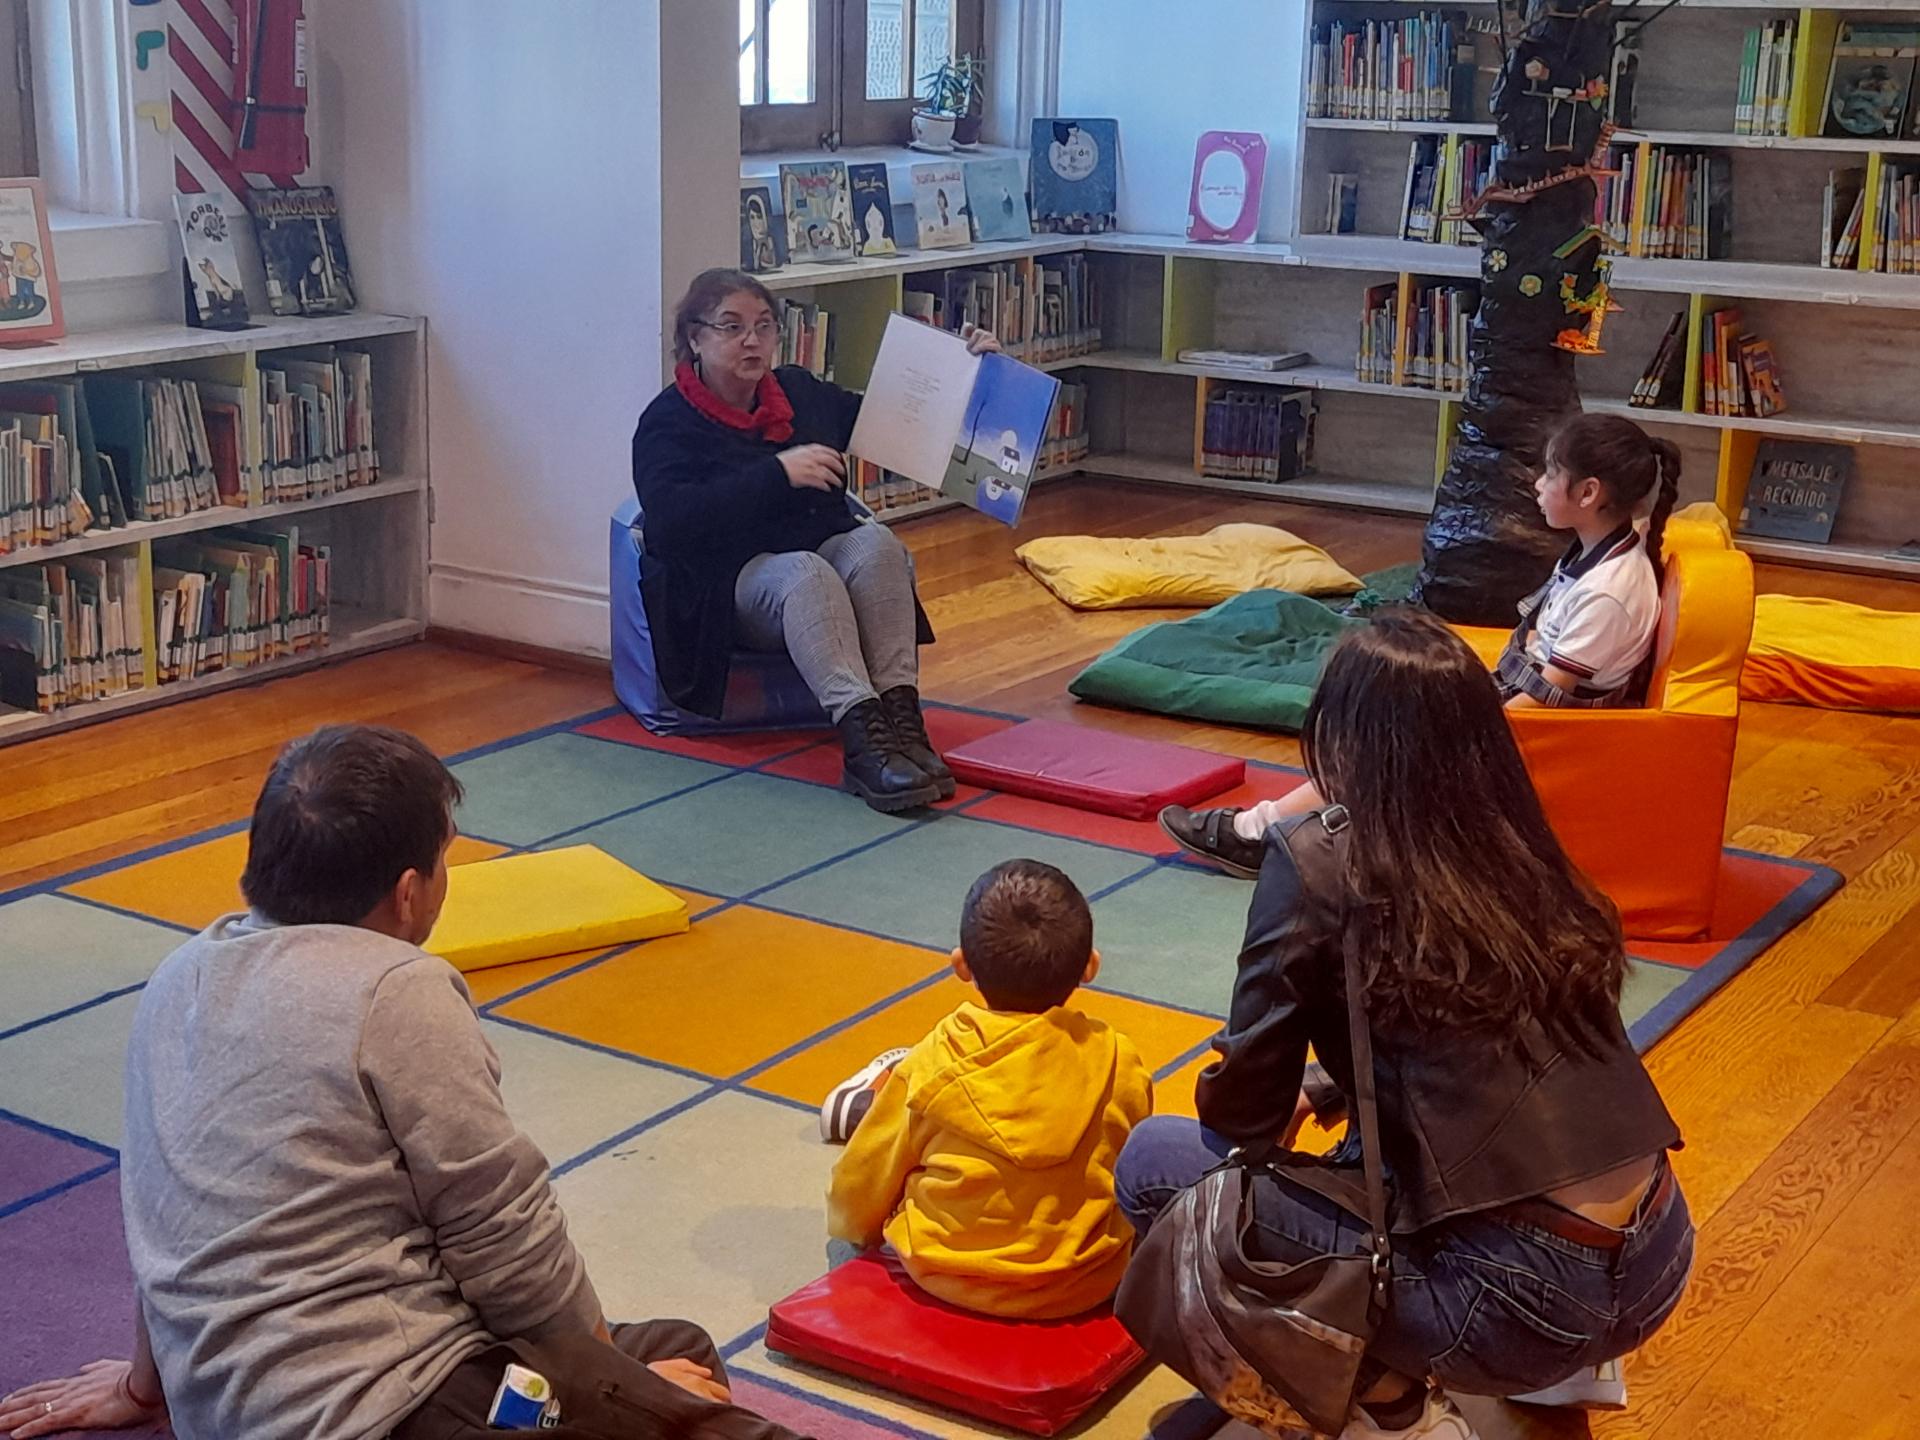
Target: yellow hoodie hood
x,y
987,1161
1022,1087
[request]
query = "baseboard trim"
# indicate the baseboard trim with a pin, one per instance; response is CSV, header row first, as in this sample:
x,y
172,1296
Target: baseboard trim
x,y
553,615
543,655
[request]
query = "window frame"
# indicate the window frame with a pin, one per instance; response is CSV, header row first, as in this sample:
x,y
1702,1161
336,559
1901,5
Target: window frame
x,y
19,134
840,113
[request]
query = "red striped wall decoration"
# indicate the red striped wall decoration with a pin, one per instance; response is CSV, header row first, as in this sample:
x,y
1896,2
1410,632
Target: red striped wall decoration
x,y
200,47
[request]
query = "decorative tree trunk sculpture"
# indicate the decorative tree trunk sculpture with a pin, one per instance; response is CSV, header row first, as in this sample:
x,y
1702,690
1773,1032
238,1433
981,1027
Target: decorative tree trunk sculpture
x,y
1543,298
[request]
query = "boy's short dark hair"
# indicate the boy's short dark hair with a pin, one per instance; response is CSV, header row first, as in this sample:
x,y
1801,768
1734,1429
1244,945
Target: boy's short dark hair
x,y
344,813
1026,934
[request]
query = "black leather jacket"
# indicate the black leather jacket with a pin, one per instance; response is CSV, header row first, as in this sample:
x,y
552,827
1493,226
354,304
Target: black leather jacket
x,y
1467,1122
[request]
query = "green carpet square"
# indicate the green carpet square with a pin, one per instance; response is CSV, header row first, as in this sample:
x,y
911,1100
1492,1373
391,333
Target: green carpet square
x,y
747,831
68,1073
1172,937
525,793
912,888
1648,983
59,953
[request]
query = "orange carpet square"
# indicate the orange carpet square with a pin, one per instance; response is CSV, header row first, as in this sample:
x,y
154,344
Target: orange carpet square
x,y
741,986
197,885
1159,1034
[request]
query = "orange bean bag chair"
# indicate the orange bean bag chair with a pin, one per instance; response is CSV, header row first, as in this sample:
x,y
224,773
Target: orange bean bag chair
x,y
1639,797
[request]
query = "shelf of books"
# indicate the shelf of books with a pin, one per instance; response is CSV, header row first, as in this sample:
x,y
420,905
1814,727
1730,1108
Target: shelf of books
x,y
183,510
1766,219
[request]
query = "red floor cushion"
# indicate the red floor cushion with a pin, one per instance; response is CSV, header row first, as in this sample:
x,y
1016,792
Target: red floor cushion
x,y
868,1320
1094,769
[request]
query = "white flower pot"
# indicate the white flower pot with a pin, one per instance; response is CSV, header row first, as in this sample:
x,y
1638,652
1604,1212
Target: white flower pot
x,y
932,132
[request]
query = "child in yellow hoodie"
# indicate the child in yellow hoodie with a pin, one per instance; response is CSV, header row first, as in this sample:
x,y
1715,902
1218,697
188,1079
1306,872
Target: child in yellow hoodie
x,y
985,1157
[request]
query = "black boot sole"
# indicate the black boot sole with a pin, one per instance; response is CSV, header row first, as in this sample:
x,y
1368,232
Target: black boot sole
x,y
892,802
1219,862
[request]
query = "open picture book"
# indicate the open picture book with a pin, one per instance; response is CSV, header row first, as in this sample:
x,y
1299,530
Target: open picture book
x,y
970,426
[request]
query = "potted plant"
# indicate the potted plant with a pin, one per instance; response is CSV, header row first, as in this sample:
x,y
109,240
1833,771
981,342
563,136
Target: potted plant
x,y
972,115
951,94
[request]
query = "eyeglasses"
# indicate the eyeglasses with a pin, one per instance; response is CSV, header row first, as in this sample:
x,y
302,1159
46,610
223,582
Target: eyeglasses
x,y
732,330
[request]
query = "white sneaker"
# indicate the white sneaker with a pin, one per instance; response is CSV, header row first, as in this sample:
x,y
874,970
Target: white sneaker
x,y
847,1103
1441,1420
1603,1387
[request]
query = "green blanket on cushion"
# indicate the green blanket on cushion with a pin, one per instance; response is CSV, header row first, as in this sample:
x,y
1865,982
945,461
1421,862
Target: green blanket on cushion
x,y
1252,660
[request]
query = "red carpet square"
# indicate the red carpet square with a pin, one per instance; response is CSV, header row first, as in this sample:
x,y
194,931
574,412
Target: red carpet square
x,y
1095,769
745,749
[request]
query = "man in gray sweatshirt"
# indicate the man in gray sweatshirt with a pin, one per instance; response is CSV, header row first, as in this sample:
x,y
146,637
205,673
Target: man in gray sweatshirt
x,y
337,1232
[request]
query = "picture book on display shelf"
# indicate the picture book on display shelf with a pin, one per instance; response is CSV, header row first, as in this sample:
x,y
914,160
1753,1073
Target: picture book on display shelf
x,y
872,210
1229,169
216,298
971,426
1075,175
997,200
303,249
763,236
29,289
819,211
1870,85
1795,490
940,205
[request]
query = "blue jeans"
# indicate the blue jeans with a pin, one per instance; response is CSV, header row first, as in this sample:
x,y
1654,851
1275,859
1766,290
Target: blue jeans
x,y
1485,1306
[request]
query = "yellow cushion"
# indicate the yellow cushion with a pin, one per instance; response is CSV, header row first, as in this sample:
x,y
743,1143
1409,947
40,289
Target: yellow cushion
x,y
548,902
1812,651
1093,573
1705,623
1700,526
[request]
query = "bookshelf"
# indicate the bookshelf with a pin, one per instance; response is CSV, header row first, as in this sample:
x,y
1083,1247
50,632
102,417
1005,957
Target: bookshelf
x,y
376,533
1847,340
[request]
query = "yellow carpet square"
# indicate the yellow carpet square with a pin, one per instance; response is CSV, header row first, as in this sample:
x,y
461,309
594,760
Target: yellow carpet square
x,y
1160,1035
739,987
197,885
549,902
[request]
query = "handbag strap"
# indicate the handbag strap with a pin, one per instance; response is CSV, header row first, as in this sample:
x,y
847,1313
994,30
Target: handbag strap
x,y
1366,1113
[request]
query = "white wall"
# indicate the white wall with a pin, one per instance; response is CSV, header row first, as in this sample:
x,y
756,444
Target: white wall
x,y
520,174
1169,71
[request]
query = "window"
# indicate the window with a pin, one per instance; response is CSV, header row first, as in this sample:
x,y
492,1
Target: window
x,y
817,73
19,151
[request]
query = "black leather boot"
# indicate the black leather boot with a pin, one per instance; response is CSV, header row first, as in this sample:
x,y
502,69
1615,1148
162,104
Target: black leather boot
x,y
875,767
902,704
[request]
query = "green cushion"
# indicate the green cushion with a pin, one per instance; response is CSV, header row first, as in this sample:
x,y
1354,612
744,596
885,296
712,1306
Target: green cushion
x,y
1252,660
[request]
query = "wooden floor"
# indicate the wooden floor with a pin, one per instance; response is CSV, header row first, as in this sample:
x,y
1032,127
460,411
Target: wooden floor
x,y
1797,1085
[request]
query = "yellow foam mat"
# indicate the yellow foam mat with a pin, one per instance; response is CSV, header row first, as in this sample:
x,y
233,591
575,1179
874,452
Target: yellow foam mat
x,y
549,902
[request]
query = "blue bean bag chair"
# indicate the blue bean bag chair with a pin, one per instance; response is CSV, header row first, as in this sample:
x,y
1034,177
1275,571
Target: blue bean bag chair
x,y
764,691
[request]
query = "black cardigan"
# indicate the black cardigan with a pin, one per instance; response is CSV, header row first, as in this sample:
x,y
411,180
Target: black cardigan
x,y
712,498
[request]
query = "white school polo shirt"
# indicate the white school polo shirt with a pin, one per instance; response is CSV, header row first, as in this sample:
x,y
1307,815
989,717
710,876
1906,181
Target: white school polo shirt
x,y
1601,609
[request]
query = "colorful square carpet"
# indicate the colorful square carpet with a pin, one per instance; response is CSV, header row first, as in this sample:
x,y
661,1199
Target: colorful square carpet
x,y
820,935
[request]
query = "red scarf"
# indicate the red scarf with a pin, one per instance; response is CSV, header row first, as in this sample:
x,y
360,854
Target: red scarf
x,y
772,415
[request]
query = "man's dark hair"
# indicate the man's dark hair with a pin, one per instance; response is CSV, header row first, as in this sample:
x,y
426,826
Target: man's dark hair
x,y
1026,933
345,812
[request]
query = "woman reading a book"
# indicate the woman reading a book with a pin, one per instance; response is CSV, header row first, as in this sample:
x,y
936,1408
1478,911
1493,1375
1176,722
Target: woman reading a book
x,y
750,539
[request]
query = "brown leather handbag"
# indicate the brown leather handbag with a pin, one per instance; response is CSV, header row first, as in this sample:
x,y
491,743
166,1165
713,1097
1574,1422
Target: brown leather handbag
x,y
1277,1346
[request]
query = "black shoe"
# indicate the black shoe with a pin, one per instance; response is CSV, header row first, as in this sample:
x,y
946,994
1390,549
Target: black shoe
x,y
1209,834
875,768
902,704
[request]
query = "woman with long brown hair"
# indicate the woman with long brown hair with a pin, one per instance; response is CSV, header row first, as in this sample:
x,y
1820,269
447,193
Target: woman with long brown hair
x,y
1536,1227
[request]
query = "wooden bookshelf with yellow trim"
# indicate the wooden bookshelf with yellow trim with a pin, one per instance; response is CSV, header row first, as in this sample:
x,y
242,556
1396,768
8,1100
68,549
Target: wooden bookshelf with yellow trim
x,y
376,532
